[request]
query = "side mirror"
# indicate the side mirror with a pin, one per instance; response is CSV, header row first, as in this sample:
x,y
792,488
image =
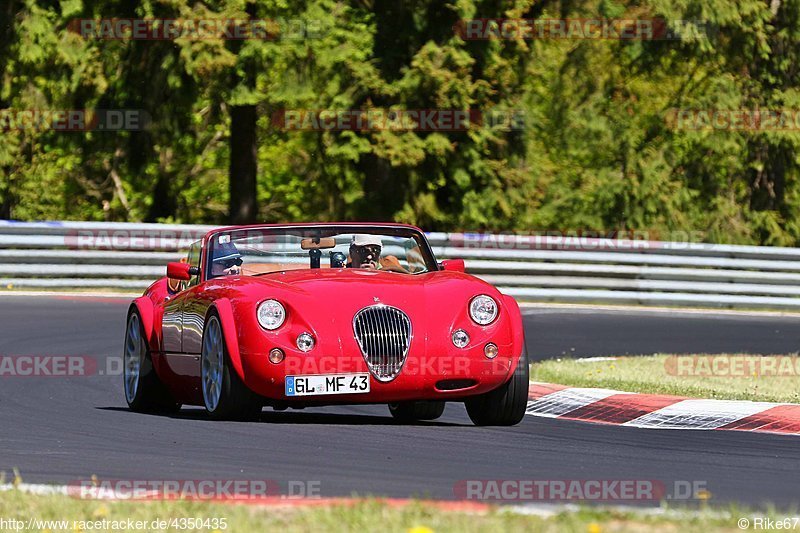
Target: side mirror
x,y
180,271
453,265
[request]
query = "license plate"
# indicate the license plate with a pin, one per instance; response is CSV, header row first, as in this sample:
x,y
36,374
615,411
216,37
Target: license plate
x,y
327,384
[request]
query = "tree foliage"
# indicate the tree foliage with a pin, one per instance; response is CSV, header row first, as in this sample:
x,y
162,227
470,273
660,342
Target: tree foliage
x,y
599,149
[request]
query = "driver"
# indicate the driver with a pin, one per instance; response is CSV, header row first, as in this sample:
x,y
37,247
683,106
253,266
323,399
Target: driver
x,y
365,251
227,260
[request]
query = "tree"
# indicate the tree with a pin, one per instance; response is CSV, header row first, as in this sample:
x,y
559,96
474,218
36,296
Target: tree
x,y
599,148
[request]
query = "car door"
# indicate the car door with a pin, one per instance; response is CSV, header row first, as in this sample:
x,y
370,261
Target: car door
x,y
172,320
183,367
171,324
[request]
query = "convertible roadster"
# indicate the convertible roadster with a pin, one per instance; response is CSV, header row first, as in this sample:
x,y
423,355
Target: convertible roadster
x,y
320,314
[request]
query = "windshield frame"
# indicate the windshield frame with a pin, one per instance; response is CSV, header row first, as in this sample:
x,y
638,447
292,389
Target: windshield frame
x,y
325,230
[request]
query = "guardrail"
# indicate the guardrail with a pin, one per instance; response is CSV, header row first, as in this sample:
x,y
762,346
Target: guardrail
x,y
129,256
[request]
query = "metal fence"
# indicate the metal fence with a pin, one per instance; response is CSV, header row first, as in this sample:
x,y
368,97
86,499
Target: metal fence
x,y
86,255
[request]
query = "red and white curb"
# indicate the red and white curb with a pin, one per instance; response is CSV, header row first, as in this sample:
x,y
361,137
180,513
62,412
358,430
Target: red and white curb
x,y
654,411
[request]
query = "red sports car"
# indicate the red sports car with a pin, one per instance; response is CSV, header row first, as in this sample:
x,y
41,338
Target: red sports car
x,y
320,314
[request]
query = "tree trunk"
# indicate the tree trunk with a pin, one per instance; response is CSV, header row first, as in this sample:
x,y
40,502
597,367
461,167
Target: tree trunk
x,y
164,204
6,200
242,176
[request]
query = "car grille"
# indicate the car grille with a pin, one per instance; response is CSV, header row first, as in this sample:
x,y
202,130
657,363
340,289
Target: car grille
x,y
383,334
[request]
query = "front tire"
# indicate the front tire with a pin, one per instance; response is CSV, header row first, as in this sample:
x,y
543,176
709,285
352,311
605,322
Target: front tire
x,y
144,392
504,406
419,410
224,395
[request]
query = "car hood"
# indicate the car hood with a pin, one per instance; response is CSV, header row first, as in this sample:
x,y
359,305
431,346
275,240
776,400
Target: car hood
x,y
365,285
324,303
333,296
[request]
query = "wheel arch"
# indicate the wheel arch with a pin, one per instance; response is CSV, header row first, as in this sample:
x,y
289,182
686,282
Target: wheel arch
x,y
144,306
515,322
224,310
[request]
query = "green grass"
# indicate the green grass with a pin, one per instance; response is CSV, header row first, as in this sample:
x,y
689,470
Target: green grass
x,y
657,375
371,515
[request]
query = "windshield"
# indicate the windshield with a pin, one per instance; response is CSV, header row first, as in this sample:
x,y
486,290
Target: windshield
x,y
255,252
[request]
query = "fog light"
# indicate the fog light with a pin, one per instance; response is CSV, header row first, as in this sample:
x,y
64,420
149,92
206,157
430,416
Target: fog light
x,y
460,338
490,350
275,355
305,342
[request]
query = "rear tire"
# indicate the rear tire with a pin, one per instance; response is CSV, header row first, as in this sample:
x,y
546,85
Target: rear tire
x,y
504,406
419,410
144,392
225,396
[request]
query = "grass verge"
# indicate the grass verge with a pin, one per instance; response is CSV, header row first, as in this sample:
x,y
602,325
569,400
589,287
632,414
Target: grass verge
x,y
726,376
369,515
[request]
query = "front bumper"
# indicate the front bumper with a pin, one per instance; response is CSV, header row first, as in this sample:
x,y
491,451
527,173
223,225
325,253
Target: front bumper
x,y
424,376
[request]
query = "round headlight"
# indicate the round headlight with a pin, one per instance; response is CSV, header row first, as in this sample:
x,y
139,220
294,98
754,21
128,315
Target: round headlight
x,y
460,338
483,309
271,314
305,342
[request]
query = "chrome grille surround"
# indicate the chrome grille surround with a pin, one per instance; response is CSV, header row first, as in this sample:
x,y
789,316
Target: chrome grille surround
x,y
384,336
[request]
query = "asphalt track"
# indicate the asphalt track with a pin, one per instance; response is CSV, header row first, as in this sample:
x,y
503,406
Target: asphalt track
x,y
56,429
